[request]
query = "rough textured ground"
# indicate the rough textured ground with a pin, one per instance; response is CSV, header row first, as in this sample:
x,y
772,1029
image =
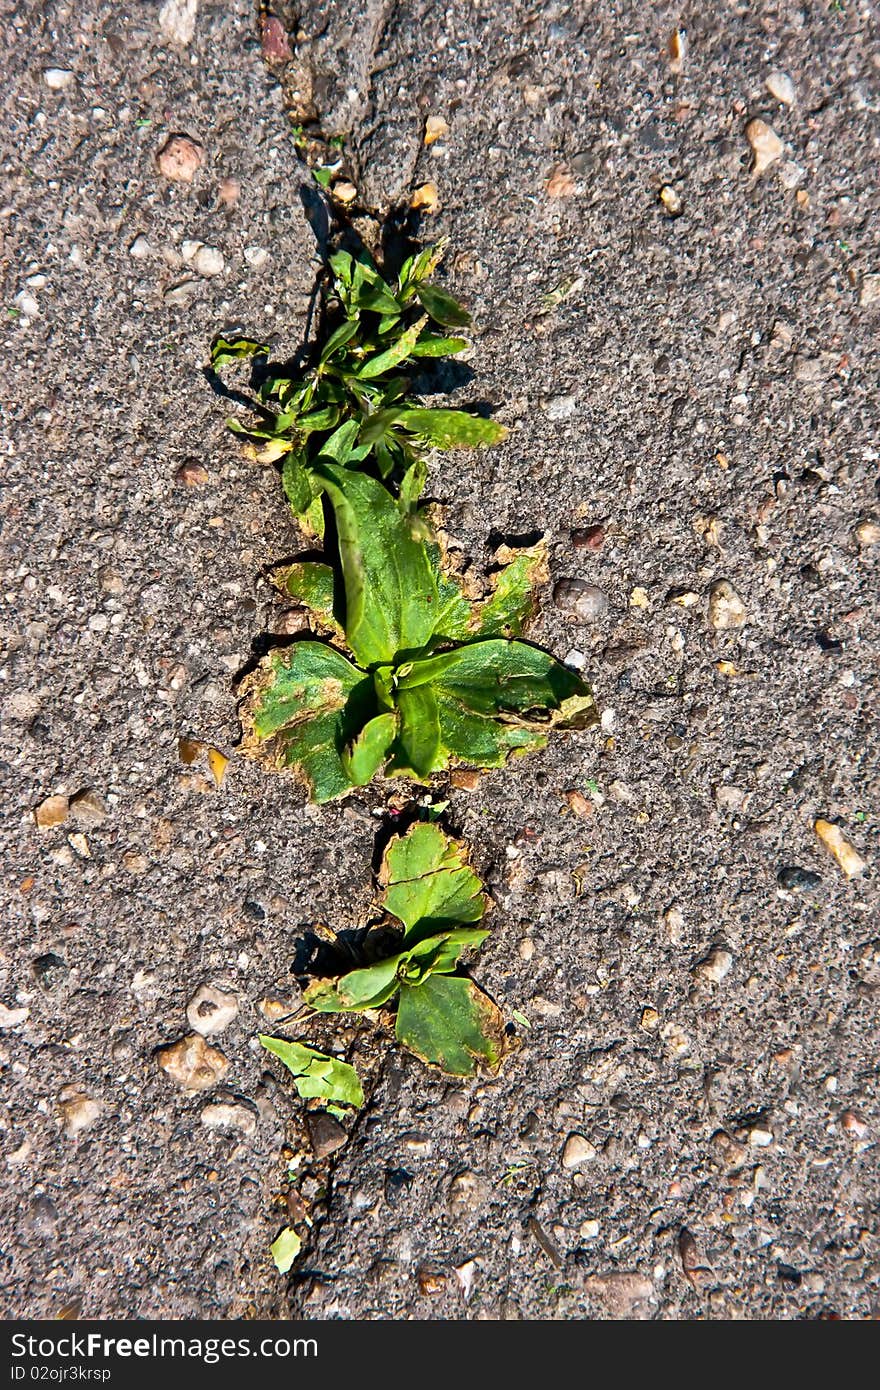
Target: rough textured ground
x,y
706,391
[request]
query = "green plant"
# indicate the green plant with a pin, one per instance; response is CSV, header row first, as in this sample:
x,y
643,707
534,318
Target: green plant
x,y
438,903
436,679
316,1075
354,404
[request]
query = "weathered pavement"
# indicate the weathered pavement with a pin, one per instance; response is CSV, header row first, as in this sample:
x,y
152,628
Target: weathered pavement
x,y
704,393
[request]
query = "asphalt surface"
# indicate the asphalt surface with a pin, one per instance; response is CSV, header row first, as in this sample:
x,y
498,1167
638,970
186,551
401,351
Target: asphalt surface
x,y
694,396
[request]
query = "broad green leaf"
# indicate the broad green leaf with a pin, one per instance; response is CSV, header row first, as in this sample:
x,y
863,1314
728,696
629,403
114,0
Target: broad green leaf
x,y
451,429
390,585
225,350
303,705
392,357
447,956
326,417
428,881
449,1023
495,677
312,584
338,447
442,307
312,520
439,347
295,481
366,754
342,265
367,988
339,338
512,602
285,1248
316,1075
476,741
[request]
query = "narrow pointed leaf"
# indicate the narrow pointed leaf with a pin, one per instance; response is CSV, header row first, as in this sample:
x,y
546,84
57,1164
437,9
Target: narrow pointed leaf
x,y
428,881
302,706
339,338
451,429
392,357
338,447
449,1023
442,307
439,347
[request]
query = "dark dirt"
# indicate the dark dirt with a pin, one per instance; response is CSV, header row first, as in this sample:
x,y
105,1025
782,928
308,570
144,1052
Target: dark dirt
x,y
700,405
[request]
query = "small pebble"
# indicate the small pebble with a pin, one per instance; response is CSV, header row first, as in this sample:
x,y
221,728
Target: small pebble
x,y
677,51
205,260
793,879
425,199
210,1010
26,304
760,1138
52,811
177,21
192,1063
560,407
867,533
851,1122
715,967
431,1282
580,599
56,79
140,249
526,949
467,1191
87,809
726,608
13,1018
344,192
465,779
435,129
780,86
180,158
671,200
588,538
849,859
580,805
649,1020
560,183
234,1114
180,295
326,1134
577,1152
766,146
77,1113
256,256
191,474
228,193
135,863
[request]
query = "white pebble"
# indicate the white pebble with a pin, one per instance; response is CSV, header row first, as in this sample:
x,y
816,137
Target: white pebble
x,y
780,86
27,304
140,249
56,79
256,256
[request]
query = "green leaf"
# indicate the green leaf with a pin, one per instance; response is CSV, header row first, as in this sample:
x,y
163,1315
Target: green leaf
x,y
392,357
366,754
449,1023
313,585
225,350
295,481
494,677
359,989
442,307
302,706
429,883
512,602
312,520
451,429
317,1075
439,347
342,265
339,338
390,585
337,448
285,1248
417,749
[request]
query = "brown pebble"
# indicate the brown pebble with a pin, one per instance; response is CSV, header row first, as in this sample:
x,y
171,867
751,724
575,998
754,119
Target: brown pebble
x,y
580,805
180,158
228,192
191,474
326,1135
853,1124
52,811
192,1063
431,1282
465,779
588,538
87,808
